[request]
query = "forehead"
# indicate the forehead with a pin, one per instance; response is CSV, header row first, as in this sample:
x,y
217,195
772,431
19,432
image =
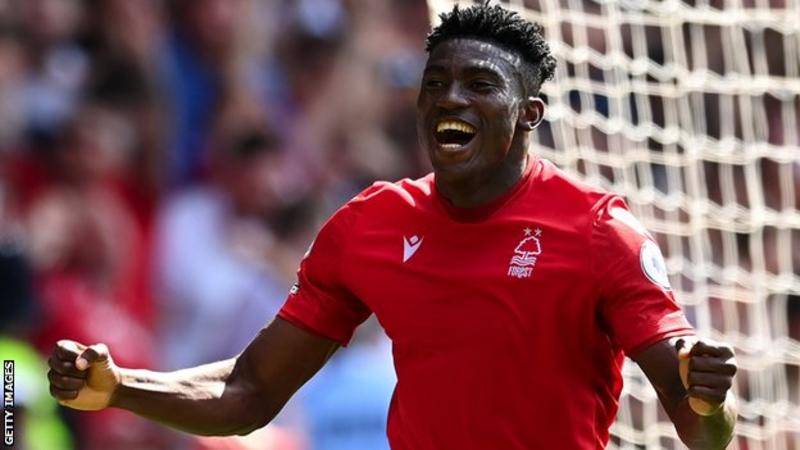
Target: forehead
x,y
461,53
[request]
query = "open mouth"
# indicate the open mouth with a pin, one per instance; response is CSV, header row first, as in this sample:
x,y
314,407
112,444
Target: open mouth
x,y
454,134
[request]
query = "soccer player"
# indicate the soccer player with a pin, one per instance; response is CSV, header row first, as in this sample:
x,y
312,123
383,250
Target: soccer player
x,y
510,291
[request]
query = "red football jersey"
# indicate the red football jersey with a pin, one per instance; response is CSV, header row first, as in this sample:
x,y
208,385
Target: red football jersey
x,y
508,321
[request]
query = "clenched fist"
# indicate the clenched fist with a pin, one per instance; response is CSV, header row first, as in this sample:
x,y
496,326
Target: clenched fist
x,y
707,369
82,377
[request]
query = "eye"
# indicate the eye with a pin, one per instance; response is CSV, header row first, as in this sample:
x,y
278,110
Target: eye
x,y
482,85
433,83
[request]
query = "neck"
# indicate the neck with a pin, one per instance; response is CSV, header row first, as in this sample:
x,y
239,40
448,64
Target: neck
x,y
475,191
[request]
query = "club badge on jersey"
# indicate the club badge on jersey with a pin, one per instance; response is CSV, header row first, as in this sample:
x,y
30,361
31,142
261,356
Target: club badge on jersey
x,y
526,254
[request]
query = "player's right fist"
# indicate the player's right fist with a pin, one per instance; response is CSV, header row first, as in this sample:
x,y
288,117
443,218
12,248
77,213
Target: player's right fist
x,y
82,377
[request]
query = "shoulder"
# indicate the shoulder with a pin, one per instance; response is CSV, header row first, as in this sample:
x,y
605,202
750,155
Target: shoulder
x,y
402,190
383,199
572,195
384,195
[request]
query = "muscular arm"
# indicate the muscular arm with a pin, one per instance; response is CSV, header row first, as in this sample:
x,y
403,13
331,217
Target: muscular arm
x,y
711,370
234,396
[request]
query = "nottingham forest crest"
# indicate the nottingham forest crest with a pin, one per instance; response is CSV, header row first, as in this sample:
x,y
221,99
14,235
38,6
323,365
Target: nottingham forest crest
x,y
525,254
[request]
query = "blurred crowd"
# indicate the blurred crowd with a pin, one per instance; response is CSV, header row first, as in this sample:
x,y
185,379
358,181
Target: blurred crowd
x,y
164,164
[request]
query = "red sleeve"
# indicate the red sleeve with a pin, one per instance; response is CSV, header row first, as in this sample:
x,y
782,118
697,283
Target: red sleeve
x,y
636,301
320,301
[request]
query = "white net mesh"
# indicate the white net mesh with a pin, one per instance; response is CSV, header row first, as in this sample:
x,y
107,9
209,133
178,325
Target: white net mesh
x,y
691,109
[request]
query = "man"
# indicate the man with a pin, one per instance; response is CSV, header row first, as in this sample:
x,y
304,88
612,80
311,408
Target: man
x,y
212,249
509,290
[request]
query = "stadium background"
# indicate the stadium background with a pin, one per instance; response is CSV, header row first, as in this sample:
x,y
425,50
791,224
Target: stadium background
x,y
165,163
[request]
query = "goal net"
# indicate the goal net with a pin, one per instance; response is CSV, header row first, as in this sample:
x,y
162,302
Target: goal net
x,y
691,109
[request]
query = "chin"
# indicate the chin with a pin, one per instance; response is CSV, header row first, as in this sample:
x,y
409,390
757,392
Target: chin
x,y
453,170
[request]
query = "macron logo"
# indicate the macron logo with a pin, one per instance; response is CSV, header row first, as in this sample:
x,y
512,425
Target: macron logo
x,y
410,246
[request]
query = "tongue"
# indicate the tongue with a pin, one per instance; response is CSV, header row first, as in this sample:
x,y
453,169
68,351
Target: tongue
x,y
453,137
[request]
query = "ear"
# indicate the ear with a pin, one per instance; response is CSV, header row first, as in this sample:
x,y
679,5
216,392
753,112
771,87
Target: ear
x,y
531,113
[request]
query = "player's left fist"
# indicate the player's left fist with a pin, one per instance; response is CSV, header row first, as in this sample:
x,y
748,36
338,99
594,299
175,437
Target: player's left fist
x,y
707,369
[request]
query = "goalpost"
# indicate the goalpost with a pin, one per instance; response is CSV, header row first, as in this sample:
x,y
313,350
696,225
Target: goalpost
x,y
691,109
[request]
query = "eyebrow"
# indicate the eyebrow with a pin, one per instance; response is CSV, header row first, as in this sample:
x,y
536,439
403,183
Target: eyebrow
x,y
478,70
434,68
470,70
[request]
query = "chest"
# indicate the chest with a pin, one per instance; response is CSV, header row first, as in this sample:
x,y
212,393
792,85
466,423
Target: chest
x,y
443,284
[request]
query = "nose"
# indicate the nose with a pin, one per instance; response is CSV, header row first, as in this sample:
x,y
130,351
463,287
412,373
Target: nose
x,y
452,98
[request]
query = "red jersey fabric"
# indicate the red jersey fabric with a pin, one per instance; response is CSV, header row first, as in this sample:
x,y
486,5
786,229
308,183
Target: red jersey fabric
x,y
508,322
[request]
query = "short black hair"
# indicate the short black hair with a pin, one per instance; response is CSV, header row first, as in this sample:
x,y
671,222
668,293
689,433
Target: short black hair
x,y
504,28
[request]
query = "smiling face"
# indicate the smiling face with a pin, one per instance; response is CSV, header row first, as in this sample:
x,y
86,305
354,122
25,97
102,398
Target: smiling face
x,y
472,111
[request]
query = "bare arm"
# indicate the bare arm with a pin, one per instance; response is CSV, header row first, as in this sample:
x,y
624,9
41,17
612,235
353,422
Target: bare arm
x,y
711,368
234,396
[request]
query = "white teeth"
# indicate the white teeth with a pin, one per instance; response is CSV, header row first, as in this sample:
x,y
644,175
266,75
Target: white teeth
x,y
451,146
454,125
